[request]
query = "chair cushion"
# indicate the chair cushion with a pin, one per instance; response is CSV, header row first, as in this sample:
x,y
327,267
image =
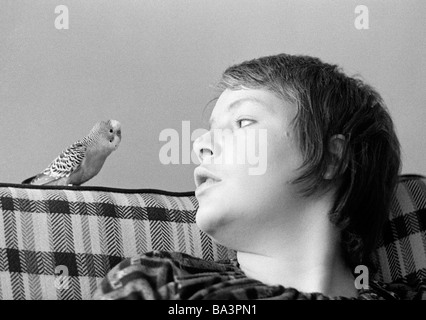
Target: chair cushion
x,y
402,250
52,236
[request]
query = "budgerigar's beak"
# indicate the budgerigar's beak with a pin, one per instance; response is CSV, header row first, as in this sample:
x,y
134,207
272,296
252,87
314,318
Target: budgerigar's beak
x,y
116,125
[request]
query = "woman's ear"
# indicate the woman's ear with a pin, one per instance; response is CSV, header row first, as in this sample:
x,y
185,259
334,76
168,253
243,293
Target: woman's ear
x,y
336,146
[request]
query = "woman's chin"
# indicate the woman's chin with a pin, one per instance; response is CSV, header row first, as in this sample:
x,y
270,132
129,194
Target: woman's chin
x,y
210,221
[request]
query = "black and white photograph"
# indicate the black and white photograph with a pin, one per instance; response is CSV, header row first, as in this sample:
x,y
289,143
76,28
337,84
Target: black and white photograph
x,y
213,150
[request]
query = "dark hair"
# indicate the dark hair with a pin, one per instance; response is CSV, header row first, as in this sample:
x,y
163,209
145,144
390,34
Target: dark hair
x,y
329,103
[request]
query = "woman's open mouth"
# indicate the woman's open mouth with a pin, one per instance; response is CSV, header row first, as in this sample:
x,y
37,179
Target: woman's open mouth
x,y
204,179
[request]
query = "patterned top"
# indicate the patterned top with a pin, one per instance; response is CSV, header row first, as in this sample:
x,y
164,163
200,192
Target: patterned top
x,y
160,275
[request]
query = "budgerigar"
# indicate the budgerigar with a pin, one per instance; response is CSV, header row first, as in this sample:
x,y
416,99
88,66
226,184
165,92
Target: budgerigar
x,y
82,160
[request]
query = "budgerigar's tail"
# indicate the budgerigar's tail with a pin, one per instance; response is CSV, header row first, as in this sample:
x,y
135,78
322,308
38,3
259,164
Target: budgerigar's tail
x,y
28,181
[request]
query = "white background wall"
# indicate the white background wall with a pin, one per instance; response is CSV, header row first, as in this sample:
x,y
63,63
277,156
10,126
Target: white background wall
x,y
151,64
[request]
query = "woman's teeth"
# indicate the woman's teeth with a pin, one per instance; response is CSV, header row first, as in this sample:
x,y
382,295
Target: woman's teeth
x,y
209,181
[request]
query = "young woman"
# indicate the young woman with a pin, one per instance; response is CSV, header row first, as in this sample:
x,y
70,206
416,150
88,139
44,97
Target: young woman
x,y
303,224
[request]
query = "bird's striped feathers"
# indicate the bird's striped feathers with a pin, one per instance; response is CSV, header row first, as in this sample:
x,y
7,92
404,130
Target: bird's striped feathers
x,y
64,165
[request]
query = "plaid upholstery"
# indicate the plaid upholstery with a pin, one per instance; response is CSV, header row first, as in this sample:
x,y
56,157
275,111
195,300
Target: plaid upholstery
x,y
88,230
402,252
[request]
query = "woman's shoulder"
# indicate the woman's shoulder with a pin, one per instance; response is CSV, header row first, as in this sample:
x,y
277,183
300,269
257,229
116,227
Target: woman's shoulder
x,y
393,291
174,275
158,275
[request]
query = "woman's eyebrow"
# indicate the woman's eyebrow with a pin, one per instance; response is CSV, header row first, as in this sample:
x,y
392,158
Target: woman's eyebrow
x,y
238,103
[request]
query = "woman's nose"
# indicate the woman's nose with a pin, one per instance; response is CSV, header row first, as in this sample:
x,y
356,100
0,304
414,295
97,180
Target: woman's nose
x,y
203,147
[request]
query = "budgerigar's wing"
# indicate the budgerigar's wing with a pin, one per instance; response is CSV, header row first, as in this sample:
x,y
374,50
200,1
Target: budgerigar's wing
x,y
63,166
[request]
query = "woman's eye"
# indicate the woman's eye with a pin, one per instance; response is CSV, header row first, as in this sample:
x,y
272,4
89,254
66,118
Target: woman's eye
x,y
244,122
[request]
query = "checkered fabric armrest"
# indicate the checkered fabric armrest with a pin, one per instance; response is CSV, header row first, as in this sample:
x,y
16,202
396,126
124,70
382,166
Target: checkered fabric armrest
x,y
402,251
58,243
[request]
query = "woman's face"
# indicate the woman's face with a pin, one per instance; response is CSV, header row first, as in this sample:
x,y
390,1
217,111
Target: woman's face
x,y
249,156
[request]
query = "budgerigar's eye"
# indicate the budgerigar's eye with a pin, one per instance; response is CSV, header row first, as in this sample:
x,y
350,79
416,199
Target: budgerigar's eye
x,y
110,140
111,131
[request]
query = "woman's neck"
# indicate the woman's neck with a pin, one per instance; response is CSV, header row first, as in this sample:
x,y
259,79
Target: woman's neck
x,y
331,280
304,256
